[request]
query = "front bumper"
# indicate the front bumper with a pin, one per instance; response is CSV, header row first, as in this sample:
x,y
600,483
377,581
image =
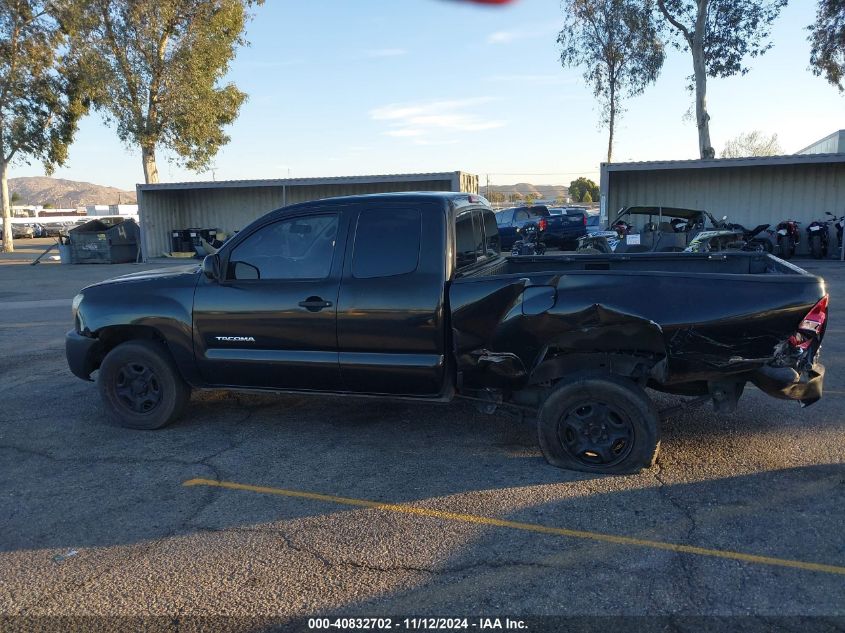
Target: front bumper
x,y
82,354
806,385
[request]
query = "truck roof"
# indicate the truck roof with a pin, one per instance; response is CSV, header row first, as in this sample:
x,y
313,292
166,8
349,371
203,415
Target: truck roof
x,y
455,197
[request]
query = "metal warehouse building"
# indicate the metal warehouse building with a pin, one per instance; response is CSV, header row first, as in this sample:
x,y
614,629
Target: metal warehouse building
x,y
231,205
750,191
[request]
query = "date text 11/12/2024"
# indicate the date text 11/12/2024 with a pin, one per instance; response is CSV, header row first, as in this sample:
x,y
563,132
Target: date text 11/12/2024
x,y
414,624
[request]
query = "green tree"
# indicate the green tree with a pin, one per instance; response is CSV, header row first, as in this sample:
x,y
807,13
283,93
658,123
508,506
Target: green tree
x,y
752,144
46,205
16,197
156,70
514,197
40,98
497,197
578,189
588,198
720,35
827,40
616,43
530,199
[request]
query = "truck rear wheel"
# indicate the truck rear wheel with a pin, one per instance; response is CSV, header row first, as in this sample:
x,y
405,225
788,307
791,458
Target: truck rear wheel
x,y
141,387
599,424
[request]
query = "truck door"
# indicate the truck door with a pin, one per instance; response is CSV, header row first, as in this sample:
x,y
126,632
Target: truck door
x,y
391,332
271,320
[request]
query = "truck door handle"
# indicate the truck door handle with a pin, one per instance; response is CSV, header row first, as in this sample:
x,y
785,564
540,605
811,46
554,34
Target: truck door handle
x,y
315,304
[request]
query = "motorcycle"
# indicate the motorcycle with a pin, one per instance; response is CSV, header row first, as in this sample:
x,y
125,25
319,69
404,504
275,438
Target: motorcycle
x,y
839,223
753,242
788,237
729,236
818,238
531,242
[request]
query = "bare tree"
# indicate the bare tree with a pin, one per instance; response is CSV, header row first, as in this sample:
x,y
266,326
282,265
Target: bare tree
x,y
617,44
754,143
719,34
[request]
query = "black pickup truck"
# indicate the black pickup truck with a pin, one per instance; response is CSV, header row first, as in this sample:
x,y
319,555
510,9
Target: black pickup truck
x,y
407,296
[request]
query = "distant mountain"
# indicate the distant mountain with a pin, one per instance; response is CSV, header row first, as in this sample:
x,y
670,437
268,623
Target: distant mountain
x,y
65,194
540,192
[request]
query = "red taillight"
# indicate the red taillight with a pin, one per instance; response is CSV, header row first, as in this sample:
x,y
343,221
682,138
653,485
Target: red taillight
x,y
543,224
815,319
585,220
812,325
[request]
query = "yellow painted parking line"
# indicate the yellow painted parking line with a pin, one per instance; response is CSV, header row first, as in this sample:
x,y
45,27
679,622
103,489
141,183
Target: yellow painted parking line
x,y
528,527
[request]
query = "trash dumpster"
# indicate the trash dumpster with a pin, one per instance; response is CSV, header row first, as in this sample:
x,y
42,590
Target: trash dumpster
x,y
104,241
180,241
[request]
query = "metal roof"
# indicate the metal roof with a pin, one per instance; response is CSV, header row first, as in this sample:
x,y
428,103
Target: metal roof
x,y
839,133
722,163
299,182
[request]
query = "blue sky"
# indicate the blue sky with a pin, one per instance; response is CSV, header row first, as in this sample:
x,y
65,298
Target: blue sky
x,y
339,87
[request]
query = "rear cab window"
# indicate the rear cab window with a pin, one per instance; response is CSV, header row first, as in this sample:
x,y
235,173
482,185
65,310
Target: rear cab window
x,y
476,237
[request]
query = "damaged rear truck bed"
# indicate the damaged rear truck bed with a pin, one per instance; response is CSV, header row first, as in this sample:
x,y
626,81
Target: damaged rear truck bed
x,y
407,296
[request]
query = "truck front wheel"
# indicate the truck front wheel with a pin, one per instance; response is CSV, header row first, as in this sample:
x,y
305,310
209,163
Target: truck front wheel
x,y
141,387
599,424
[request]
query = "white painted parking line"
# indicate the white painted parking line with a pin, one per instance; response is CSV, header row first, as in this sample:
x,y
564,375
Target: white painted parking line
x,y
40,303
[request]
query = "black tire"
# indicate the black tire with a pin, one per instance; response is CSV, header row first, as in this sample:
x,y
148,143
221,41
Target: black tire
x,y
141,387
601,424
784,251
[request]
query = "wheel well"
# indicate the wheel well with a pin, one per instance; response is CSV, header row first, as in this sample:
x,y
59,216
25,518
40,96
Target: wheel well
x,y
111,337
638,367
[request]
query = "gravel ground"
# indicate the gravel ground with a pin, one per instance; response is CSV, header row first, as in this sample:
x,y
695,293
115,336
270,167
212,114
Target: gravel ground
x,y
96,520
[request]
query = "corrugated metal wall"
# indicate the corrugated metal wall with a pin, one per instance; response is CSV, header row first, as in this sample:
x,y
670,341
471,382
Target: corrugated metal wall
x,y
747,195
232,208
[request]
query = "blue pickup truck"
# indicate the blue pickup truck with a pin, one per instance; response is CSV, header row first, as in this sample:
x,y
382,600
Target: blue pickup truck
x,y
558,228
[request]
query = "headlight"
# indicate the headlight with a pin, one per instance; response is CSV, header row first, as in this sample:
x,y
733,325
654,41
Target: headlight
x,y
74,309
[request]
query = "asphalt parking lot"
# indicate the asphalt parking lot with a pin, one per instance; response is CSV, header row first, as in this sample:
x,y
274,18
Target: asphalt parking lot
x,y
364,508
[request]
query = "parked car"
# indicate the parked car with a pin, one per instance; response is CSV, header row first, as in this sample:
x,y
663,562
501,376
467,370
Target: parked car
x,y
510,220
54,229
561,230
407,296
18,231
566,227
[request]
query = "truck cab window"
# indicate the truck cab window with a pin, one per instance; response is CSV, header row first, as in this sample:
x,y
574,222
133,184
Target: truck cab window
x,y
466,240
491,234
296,248
387,243
469,237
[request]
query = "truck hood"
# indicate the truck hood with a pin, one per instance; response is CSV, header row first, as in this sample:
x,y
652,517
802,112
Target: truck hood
x,y
171,272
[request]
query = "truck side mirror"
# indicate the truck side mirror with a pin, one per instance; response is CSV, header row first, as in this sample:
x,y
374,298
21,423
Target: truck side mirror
x,y
211,266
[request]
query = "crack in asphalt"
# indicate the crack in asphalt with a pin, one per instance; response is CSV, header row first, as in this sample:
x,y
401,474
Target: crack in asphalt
x,y
683,561
202,504
330,562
